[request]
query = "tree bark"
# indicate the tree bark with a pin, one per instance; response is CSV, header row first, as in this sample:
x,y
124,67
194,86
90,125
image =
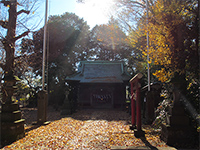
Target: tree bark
x,y
9,41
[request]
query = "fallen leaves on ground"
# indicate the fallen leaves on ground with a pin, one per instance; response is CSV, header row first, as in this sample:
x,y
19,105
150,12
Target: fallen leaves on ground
x,y
86,129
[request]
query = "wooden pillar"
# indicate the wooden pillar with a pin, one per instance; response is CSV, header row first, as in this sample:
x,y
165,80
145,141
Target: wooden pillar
x,y
132,107
135,87
138,107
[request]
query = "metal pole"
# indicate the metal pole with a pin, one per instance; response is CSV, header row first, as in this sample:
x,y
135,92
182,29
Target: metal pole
x,y
148,69
44,46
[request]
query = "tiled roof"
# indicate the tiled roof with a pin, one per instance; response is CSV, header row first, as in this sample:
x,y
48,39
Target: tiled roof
x,y
100,72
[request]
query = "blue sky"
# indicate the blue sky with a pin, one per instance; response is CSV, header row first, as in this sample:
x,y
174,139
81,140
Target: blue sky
x,y
57,7
93,11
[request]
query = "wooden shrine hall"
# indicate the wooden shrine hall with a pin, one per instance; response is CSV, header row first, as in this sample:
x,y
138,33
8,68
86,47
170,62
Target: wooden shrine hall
x,y
100,84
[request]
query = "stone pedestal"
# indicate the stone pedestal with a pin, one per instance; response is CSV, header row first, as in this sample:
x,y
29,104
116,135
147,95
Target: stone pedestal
x,y
69,105
177,130
150,116
139,133
152,100
12,125
42,107
66,110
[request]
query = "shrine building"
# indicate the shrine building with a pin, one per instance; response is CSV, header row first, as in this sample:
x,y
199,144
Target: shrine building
x,y
100,84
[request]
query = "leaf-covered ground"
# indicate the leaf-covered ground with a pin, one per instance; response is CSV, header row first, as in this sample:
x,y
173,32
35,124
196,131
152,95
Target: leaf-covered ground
x,y
86,129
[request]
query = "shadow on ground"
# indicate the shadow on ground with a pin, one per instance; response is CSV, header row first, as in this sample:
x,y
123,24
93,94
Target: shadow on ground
x,y
144,140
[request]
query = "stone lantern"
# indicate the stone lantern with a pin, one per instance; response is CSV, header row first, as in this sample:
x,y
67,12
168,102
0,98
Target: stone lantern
x,y
11,123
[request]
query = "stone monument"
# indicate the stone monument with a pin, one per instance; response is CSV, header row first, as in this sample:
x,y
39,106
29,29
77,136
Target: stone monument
x,y
11,123
177,130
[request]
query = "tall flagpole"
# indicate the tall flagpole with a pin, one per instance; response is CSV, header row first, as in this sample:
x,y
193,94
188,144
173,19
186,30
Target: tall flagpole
x,y
42,95
44,46
148,69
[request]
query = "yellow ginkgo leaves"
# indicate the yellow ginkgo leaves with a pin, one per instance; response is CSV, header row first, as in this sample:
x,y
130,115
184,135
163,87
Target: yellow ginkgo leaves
x,y
77,133
163,75
165,34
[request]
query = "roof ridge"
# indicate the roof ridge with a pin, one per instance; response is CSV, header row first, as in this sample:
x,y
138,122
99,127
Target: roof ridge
x,y
102,62
101,72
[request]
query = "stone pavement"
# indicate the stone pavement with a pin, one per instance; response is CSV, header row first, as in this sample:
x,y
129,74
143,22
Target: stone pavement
x,y
140,148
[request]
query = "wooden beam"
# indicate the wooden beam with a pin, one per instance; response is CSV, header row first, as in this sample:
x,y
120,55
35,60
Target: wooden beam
x,y
137,76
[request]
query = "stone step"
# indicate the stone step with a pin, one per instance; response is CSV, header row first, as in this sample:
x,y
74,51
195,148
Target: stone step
x,y
21,121
13,123
178,120
12,130
10,107
10,116
176,111
177,134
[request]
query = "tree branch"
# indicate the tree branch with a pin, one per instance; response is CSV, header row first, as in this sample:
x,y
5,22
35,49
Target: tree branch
x,y
80,1
22,35
6,3
2,66
4,24
23,11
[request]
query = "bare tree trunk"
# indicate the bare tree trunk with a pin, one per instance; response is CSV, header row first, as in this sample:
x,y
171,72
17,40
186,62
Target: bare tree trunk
x,y
9,41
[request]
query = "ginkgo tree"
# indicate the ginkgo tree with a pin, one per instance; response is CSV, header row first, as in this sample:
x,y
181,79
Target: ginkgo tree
x,y
173,27
12,28
15,23
173,39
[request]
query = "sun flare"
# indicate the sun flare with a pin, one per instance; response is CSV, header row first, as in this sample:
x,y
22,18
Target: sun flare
x,y
95,11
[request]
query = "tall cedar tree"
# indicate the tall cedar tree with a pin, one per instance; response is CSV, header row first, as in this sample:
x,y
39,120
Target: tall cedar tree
x,y
68,37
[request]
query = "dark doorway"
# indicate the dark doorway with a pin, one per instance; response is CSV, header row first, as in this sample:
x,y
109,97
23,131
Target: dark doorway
x,y
102,97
